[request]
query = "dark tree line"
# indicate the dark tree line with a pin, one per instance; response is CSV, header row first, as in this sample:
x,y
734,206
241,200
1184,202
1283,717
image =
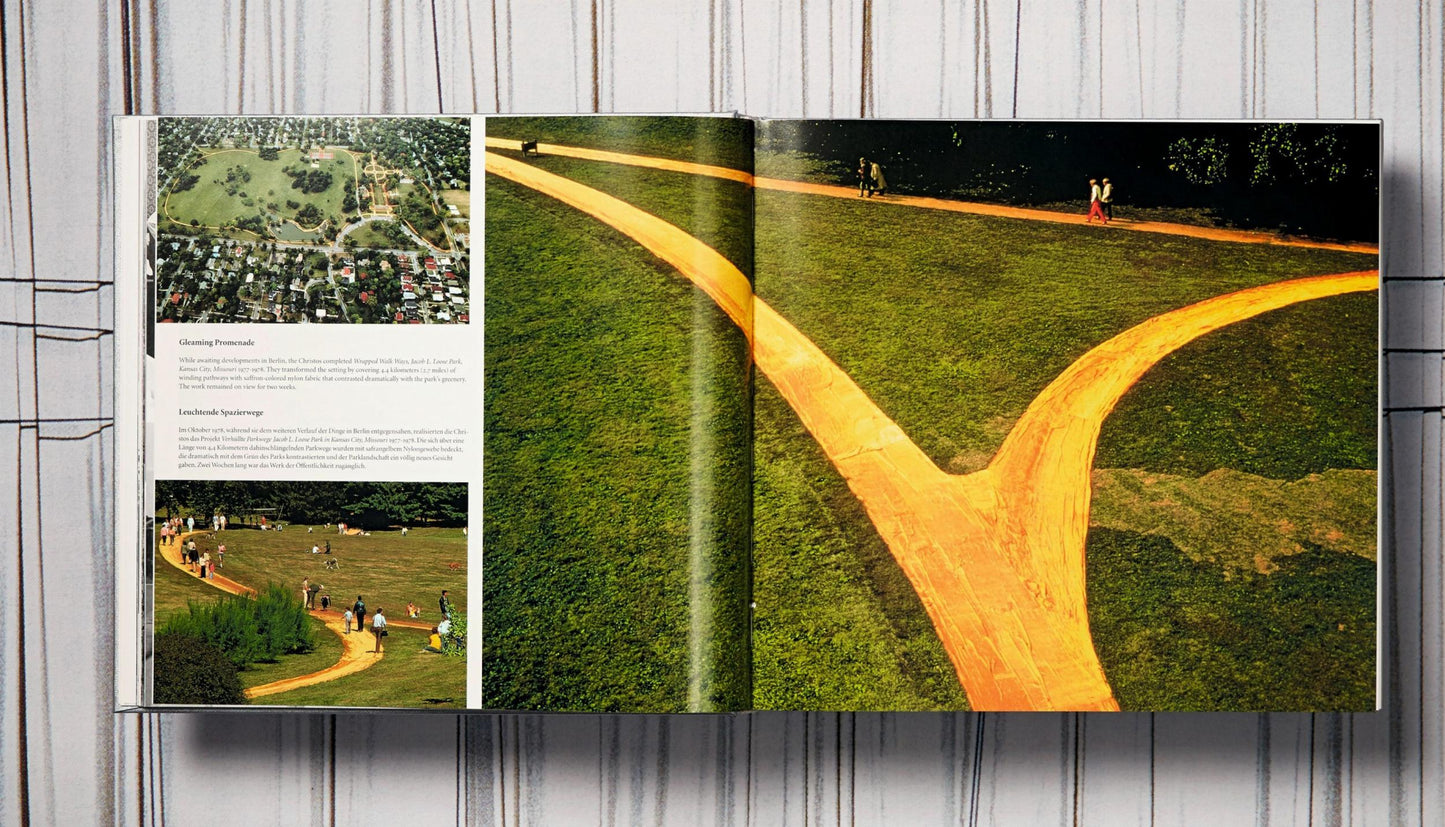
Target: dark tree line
x,y
363,504
1313,178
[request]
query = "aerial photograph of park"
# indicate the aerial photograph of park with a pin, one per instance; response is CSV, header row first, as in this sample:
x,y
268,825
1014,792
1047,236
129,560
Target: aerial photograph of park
x,y
310,594
1044,416
313,220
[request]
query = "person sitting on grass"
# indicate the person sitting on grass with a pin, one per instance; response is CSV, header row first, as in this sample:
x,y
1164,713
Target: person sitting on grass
x,y
378,628
412,610
434,642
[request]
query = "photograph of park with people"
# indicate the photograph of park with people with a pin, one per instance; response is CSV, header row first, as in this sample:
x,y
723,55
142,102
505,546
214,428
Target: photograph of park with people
x,y
313,220
310,593
1047,416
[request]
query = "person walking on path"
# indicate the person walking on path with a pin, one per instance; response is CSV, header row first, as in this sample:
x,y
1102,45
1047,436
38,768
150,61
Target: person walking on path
x,y
347,617
865,181
191,523
205,566
221,556
875,171
359,610
306,592
1106,197
1095,206
378,628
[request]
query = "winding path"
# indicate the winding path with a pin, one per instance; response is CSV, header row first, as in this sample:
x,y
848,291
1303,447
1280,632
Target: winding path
x,y
996,556
355,654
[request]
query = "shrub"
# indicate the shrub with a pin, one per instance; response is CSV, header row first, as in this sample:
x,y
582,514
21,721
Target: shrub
x,y
456,640
248,629
283,623
188,670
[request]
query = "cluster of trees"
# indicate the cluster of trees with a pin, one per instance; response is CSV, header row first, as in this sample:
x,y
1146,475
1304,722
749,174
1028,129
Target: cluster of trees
x,y
1312,178
253,223
269,153
439,149
185,181
309,215
372,505
307,179
418,211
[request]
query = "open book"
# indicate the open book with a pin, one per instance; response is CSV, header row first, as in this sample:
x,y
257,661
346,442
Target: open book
x,y
712,414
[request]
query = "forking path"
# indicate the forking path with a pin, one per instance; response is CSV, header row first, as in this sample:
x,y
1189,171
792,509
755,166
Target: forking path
x,y
355,656
996,556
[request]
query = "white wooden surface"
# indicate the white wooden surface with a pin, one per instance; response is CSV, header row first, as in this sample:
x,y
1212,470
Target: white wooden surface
x,y
68,65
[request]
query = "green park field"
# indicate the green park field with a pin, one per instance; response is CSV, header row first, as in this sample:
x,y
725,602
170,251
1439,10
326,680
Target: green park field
x,y
386,568
220,198
367,235
1231,555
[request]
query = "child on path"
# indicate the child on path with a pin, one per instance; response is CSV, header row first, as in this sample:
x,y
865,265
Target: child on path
x,y
347,617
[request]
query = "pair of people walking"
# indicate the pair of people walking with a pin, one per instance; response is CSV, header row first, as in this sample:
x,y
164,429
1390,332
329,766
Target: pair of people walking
x,y
870,178
1101,201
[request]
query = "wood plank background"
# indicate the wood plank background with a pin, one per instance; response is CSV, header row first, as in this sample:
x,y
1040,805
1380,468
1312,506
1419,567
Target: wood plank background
x,y
68,65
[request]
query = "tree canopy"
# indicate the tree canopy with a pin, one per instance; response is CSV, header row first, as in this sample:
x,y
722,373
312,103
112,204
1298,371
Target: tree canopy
x,y
1313,178
365,504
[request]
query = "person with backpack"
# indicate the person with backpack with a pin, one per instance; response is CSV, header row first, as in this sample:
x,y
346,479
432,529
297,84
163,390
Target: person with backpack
x,y
359,610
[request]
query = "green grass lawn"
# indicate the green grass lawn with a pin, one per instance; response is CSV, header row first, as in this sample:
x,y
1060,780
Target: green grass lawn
x,y
1174,633
209,202
386,568
405,677
954,323
617,473
367,235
